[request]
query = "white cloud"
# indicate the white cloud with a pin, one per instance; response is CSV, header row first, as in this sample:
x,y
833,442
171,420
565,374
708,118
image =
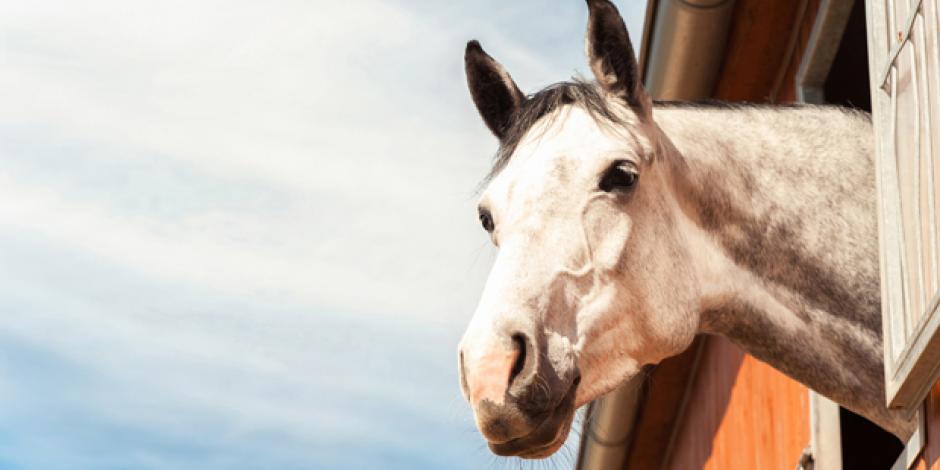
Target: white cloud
x,y
227,221
236,91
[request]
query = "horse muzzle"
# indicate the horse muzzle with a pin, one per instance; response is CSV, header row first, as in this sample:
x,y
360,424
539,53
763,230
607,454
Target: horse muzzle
x,y
523,406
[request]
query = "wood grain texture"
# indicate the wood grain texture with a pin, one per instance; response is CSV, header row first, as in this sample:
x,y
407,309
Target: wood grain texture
x,y
930,458
662,397
742,414
787,92
756,48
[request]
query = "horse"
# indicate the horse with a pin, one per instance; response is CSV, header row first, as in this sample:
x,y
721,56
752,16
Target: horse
x,y
625,227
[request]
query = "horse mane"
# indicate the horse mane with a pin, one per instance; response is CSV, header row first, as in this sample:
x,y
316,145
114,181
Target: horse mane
x,y
589,96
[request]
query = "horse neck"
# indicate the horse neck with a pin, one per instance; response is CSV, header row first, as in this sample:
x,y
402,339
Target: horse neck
x,y
779,211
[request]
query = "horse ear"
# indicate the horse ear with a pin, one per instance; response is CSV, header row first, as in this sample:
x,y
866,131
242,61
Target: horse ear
x,y
611,56
495,94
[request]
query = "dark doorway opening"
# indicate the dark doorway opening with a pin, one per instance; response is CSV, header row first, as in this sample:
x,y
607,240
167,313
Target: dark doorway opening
x,y
865,445
847,83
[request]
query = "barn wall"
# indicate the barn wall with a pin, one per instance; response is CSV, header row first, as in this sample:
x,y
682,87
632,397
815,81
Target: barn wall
x,y
741,413
930,458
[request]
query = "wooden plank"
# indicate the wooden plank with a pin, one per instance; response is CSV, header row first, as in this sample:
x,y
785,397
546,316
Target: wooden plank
x,y
739,399
757,46
663,394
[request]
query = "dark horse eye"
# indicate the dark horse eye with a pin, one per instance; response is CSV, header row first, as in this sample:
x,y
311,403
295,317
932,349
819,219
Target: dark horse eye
x,y
486,220
621,176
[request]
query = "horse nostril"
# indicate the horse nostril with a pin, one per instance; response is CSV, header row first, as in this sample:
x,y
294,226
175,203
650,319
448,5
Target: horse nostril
x,y
518,342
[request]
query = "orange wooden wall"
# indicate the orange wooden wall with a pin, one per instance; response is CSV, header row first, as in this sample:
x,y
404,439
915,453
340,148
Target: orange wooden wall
x,y
741,414
930,458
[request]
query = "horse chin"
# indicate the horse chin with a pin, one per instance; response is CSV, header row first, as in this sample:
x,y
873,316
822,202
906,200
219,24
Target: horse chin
x,y
547,437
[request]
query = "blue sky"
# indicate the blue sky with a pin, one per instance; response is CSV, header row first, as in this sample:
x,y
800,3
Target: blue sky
x,y
242,234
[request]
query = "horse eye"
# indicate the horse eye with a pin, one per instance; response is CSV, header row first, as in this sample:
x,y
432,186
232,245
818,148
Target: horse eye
x,y
621,176
486,220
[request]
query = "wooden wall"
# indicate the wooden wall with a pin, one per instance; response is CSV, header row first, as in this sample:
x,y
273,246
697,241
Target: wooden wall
x,y
741,413
765,46
930,458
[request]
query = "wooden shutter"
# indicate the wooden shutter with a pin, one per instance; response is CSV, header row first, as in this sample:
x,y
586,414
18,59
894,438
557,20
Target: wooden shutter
x,y
904,61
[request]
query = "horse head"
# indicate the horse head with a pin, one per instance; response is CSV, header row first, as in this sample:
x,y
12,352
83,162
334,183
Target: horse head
x,y
576,301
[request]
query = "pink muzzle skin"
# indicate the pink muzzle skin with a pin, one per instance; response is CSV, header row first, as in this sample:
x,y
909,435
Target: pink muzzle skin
x,y
489,378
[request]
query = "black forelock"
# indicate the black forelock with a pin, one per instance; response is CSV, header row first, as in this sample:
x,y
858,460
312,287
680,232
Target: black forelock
x,y
577,92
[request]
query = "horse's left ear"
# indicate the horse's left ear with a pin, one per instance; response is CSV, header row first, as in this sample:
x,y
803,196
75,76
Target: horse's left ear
x,y
494,92
611,56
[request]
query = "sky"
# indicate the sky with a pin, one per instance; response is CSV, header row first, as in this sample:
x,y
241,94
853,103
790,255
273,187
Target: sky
x,y
243,234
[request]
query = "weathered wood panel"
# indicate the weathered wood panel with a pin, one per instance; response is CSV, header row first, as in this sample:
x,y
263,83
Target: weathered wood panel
x,y
905,71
